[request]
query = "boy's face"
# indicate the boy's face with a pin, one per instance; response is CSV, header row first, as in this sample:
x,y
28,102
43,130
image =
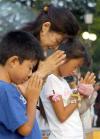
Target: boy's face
x,y
20,72
70,66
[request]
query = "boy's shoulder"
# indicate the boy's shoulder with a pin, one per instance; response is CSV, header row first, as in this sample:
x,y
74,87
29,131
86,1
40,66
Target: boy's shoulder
x,y
4,84
7,87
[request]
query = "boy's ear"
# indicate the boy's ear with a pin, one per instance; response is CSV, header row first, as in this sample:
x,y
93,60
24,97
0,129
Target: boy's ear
x,y
13,61
45,27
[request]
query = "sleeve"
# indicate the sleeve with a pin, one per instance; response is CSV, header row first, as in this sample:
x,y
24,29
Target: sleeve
x,y
13,109
53,87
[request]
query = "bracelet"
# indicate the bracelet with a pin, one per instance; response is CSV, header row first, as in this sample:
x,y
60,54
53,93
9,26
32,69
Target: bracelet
x,y
73,101
76,98
76,95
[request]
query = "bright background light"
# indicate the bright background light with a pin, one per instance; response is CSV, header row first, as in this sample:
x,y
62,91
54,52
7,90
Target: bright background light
x,y
90,36
85,35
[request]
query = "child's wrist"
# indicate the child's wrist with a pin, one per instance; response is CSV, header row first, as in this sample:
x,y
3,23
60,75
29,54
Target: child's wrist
x,y
76,98
73,101
32,102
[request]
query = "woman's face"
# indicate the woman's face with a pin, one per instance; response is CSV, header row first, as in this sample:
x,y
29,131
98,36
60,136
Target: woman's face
x,y
49,38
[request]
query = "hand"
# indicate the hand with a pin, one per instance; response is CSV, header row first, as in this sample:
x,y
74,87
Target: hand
x,y
34,88
22,87
85,89
88,79
85,86
51,63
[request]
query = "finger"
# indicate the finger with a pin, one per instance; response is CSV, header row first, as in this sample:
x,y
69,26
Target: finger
x,y
59,63
91,78
56,60
86,76
33,79
81,80
61,57
40,83
60,60
93,82
37,80
58,54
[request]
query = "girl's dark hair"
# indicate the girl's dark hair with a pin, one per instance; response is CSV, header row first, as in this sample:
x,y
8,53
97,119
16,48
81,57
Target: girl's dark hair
x,y
75,49
61,19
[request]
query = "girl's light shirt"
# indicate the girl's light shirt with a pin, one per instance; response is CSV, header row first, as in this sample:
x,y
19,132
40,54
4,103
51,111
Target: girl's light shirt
x,y
70,128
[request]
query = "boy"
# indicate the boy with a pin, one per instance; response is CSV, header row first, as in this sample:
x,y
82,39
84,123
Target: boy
x,y
19,53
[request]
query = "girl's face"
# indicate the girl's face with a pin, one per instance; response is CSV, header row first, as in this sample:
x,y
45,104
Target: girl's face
x,y
70,66
49,38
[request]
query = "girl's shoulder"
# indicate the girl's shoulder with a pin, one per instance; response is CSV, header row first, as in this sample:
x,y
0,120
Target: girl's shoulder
x,y
53,77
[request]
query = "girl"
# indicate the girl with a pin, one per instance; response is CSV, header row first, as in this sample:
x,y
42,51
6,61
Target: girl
x,y
60,105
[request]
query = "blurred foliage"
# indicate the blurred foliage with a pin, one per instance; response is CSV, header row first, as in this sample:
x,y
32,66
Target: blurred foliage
x,y
13,16
79,7
95,27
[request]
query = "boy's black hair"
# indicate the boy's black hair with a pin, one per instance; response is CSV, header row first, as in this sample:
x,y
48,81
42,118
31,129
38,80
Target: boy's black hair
x,y
75,49
21,44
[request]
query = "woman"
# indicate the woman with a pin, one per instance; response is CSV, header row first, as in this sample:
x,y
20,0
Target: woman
x,y
51,27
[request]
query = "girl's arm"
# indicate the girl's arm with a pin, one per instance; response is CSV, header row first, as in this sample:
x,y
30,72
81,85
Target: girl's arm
x,y
62,112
